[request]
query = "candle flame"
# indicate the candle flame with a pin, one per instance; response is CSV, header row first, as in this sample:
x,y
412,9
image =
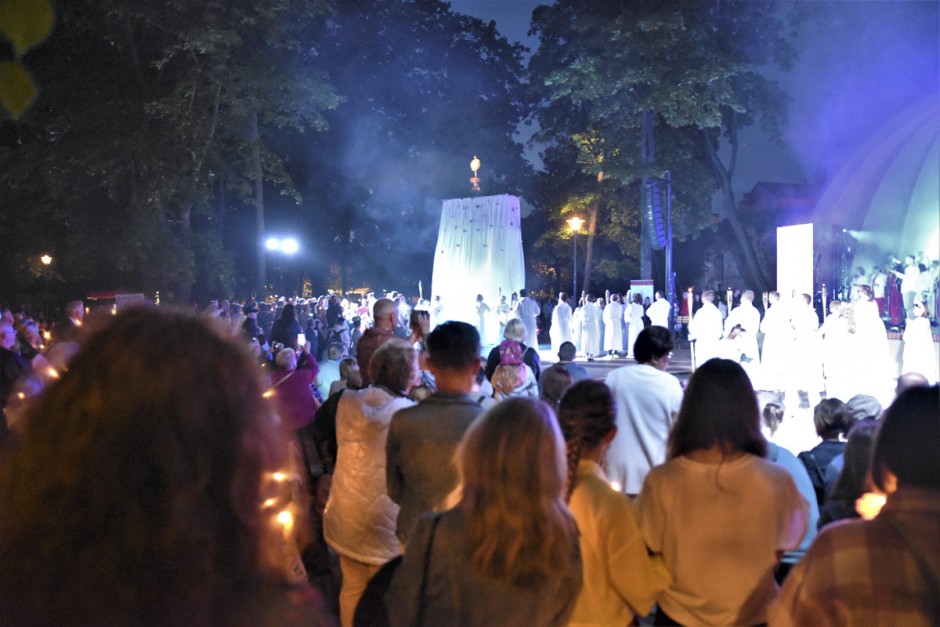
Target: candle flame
x,y
53,373
285,519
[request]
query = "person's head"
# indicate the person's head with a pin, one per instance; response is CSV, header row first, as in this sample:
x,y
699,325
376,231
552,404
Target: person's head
x,y
454,346
587,419
286,359
910,380
554,382
864,292
168,445
909,260
523,293
774,297
638,299
515,330
512,469
658,295
708,296
772,416
562,297
419,321
479,298
335,352
349,371
75,309
288,313
835,306
567,351
831,419
394,365
921,310
747,296
720,410
862,406
652,344
385,314
908,441
852,481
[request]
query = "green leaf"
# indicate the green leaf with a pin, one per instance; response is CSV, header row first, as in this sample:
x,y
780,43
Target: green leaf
x,y
26,23
17,90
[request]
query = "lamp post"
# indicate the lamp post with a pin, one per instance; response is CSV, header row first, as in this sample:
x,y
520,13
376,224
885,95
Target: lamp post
x,y
46,260
282,246
575,225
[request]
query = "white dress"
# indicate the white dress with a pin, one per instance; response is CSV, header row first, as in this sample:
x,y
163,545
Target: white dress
x,y
919,355
590,330
560,331
613,332
705,329
633,316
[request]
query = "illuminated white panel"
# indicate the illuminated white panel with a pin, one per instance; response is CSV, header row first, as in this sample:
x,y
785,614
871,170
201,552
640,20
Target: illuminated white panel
x,y
795,259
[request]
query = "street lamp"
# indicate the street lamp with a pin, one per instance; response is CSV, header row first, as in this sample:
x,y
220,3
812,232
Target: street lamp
x,y
283,246
46,259
575,224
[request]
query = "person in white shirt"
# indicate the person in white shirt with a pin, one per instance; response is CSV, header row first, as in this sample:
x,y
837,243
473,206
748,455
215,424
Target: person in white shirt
x,y
878,280
910,284
560,331
658,312
634,319
647,399
620,579
613,327
590,329
717,512
778,340
706,329
528,310
746,315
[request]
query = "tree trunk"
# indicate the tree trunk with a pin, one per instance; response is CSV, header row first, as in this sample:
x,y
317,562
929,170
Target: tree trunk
x,y
589,249
260,277
745,248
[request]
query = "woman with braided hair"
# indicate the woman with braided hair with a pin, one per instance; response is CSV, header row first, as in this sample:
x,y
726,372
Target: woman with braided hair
x,y
620,580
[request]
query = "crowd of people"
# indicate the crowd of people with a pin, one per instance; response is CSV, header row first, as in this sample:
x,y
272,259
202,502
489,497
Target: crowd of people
x,y
298,462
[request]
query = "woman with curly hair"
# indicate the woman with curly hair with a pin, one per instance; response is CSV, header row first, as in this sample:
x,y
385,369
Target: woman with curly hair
x,y
718,513
137,493
619,577
507,554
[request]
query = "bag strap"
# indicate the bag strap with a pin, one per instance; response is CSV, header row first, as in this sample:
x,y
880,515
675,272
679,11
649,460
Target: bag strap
x,y
424,575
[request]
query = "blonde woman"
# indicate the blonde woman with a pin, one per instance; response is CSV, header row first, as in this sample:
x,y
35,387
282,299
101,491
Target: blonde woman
x,y
507,554
619,577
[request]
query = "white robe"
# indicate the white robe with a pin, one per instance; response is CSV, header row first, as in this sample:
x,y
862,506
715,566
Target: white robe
x,y
590,330
633,316
919,355
560,330
528,310
658,314
705,328
613,332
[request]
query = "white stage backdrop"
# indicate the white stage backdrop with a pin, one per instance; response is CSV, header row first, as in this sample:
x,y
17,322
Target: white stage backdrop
x,y
795,260
479,251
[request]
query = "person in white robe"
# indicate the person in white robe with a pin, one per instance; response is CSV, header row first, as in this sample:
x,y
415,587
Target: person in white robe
x,y
706,329
613,330
658,311
919,355
590,327
874,368
633,316
528,312
778,339
837,351
560,331
747,317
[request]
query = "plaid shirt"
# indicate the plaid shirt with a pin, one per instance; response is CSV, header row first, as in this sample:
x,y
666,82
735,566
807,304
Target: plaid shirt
x,y
864,572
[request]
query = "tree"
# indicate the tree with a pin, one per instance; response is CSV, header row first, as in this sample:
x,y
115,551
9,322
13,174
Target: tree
x,y
143,107
653,86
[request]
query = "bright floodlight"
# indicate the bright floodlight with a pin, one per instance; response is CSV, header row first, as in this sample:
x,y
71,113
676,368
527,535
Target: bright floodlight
x,y
272,243
289,246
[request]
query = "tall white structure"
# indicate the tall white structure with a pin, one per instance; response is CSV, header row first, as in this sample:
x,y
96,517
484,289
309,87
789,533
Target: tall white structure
x,y
479,251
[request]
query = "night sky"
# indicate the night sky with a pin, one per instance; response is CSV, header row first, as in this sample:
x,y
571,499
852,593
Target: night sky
x,y
859,64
